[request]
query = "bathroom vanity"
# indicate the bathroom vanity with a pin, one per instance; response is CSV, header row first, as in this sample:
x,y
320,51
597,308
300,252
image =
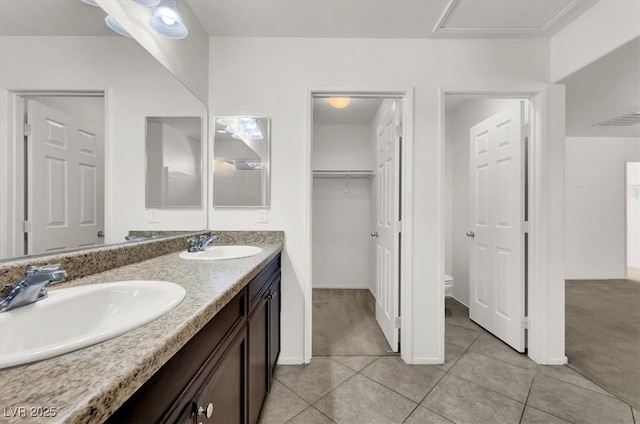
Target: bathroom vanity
x,y
210,359
224,372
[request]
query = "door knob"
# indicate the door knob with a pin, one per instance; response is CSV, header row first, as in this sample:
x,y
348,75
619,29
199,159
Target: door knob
x,y
471,234
206,412
374,234
101,234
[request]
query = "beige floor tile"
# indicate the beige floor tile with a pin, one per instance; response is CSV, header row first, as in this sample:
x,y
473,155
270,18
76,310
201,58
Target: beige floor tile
x,y
490,345
356,363
451,354
310,416
466,403
506,379
411,381
576,404
314,380
636,415
281,405
361,400
459,336
534,416
423,416
566,374
461,317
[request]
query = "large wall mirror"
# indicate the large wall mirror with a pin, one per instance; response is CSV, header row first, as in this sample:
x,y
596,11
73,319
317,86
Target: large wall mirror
x,y
241,162
75,178
174,162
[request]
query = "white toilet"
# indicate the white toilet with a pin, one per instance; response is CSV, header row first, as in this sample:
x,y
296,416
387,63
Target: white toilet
x,y
448,285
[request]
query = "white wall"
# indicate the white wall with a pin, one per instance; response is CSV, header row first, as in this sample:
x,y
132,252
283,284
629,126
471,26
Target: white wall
x,y
341,227
277,88
595,201
633,214
603,28
458,123
137,86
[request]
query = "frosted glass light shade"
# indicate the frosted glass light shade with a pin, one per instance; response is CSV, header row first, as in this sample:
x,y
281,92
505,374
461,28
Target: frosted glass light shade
x,y
167,20
339,102
148,3
115,26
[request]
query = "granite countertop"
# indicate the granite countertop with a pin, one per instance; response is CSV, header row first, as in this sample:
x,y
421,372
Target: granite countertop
x,y
88,385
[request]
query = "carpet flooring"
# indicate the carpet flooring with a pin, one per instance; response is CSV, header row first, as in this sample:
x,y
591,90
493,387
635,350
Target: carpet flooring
x,y
603,334
344,324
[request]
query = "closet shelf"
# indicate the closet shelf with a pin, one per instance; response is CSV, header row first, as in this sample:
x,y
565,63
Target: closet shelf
x,y
343,173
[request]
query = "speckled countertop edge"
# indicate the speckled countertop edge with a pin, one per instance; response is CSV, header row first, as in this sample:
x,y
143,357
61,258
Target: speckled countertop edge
x,y
88,385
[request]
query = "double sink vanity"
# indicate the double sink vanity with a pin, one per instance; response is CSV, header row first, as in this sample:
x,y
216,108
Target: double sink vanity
x,y
147,332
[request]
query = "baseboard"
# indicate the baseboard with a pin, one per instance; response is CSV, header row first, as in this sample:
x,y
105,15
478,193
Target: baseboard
x,y
341,286
290,361
557,361
427,361
459,301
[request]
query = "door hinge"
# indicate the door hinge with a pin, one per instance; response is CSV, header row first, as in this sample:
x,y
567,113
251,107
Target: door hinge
x,y
525,323
26,226
398,226
397,322
526,130
525,227
27,130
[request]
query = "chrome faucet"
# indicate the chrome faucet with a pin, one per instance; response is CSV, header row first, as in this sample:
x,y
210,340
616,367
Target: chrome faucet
x,y
198,244
31,288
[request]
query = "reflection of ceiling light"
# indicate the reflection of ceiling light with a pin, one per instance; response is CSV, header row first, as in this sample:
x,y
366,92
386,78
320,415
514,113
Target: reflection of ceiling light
x,y
148,3
241,128
114,25
167,20
221,131
339,102
91,2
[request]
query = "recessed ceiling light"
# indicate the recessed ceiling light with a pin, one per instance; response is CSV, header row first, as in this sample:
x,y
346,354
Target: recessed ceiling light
x,y
339,102
167,20
148,3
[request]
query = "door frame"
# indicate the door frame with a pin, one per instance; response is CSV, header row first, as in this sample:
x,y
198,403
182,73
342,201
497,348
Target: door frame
x,y
400,93
545,290
11,119
626,216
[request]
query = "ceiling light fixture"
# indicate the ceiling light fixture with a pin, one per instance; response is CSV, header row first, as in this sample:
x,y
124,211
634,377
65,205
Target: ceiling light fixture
x,y
115,26
148,3
167,20
90,2
339,102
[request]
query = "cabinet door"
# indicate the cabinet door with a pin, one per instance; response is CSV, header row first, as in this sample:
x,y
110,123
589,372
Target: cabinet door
x,y
275,307
222,400
258,360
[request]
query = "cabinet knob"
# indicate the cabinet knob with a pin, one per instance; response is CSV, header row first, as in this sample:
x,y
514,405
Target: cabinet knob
x,y
206,412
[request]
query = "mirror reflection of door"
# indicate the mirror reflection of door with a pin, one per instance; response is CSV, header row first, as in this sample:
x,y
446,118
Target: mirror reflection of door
x,y
64,189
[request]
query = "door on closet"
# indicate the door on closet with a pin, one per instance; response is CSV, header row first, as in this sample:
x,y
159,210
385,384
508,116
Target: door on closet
x,y
387,223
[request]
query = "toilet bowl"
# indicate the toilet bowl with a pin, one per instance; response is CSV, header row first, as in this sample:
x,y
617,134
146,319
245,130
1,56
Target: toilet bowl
x,y
448,285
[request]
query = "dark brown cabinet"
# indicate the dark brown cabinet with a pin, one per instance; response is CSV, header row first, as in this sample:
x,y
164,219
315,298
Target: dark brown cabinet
x,y
222,375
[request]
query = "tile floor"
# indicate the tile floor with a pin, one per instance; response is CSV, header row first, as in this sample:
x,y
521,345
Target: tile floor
x,y
482,381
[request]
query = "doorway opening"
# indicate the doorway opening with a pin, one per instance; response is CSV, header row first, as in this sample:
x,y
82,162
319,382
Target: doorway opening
x,y
486,217
356,237
58,172
633,220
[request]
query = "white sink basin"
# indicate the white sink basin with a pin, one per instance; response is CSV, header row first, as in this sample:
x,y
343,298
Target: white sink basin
x,y
78,317
216,253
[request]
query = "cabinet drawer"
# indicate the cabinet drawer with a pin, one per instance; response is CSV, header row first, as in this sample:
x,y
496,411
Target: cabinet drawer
x,y
262,281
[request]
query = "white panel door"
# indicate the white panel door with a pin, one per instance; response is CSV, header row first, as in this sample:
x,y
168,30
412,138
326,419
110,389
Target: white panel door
x,y
66,181
496,277
387,212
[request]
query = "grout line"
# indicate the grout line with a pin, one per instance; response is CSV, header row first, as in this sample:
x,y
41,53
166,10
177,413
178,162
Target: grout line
x,y
526,401
486,355
549,413
591,381
610,395
292,391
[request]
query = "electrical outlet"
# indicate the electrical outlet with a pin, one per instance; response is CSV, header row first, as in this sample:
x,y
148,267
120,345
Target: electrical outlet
x,y
152,216
263,217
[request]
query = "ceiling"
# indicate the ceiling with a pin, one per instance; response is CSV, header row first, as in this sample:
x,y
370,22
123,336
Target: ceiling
x,y
318,18
387,18
52,17
360,111
604,90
